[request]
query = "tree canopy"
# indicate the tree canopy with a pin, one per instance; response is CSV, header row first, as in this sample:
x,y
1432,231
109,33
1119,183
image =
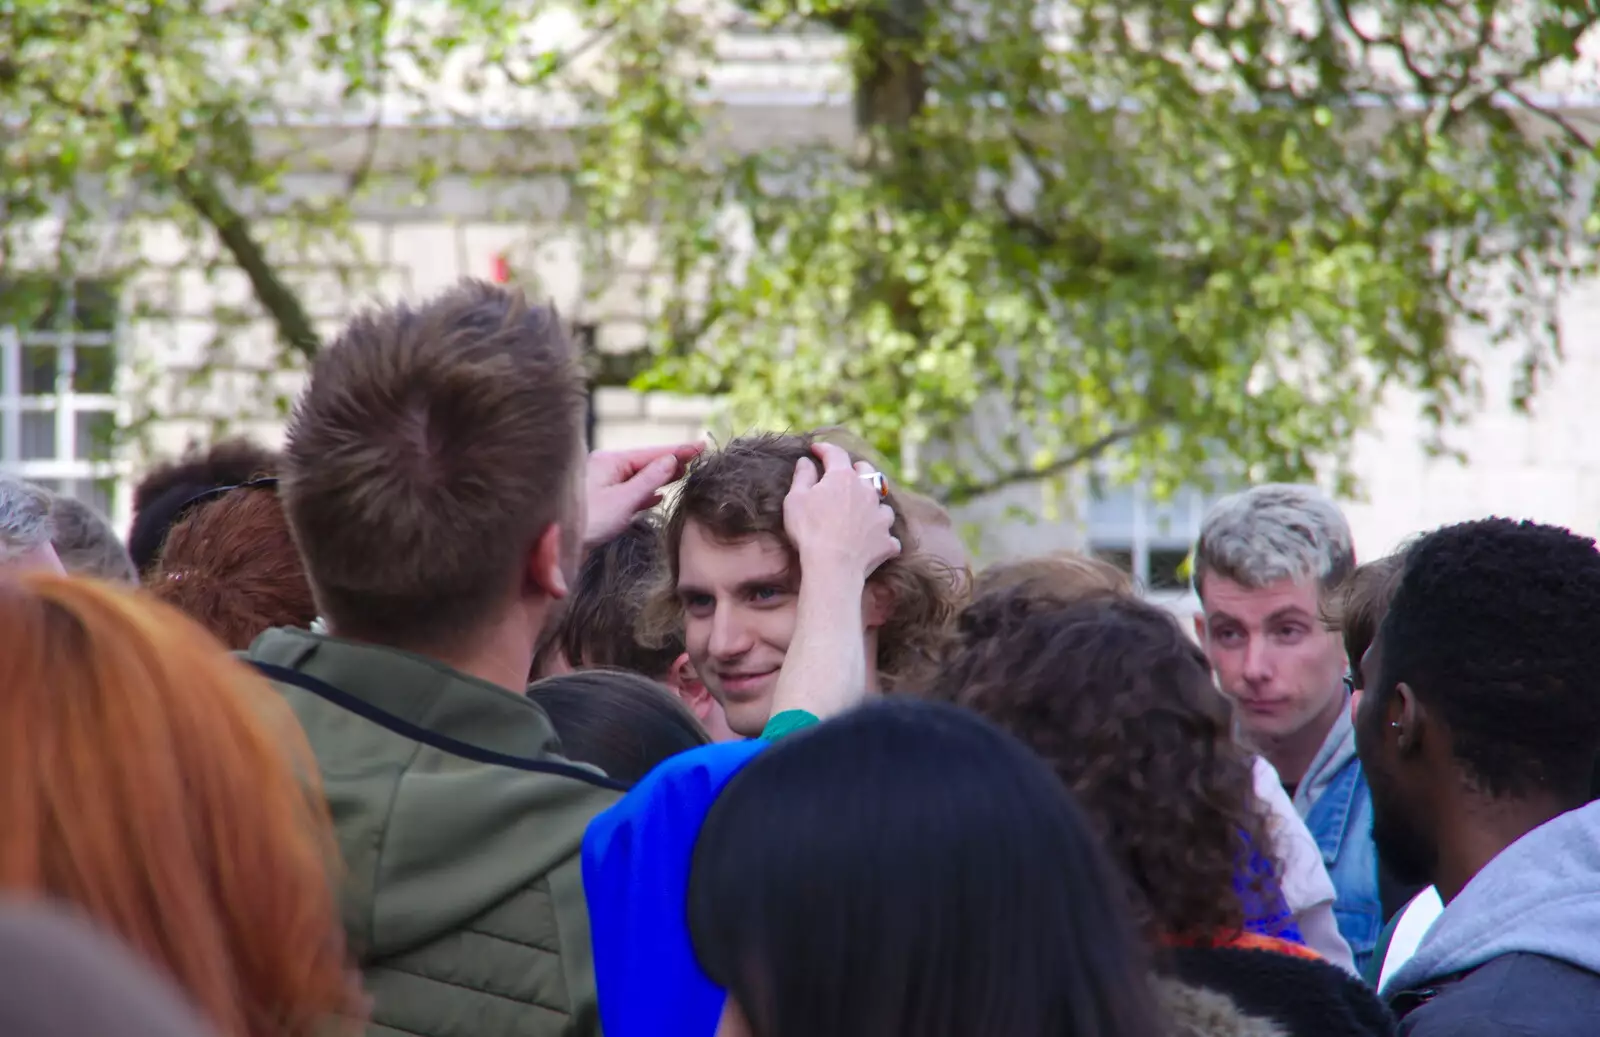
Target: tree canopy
x,y
1150,233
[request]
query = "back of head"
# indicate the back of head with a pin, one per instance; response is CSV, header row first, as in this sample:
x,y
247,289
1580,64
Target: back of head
x,y
1493,629
433,446
231,565
61,978
25,523
1274,532
599,627
158,785
929,878
1119,701
162,493
86,543
737,492
1062,578
1359,606
936,536
621,722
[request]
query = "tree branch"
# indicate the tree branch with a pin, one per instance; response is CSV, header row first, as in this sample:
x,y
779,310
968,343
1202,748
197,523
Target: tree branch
x,y
206,198
1561,122
961,492
278,299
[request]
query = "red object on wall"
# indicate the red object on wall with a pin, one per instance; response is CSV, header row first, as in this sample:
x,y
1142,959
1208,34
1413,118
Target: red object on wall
x,y
500,269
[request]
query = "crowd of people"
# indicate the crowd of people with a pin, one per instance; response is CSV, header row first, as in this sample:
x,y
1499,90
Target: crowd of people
x,y
435,723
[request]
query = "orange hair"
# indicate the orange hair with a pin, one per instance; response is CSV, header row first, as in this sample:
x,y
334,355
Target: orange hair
x,y
161,787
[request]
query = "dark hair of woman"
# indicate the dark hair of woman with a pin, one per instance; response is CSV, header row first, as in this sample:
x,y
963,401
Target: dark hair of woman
x,y
621,722
1121,705
909,870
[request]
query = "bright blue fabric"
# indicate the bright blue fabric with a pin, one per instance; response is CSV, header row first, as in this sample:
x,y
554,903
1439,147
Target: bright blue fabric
x,y
636,860
1266,913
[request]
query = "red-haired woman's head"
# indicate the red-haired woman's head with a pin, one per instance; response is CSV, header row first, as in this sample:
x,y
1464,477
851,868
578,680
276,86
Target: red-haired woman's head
x,y
231,565
161,787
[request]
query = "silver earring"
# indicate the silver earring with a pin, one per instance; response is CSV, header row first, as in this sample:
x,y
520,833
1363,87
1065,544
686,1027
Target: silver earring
x,y
1395,724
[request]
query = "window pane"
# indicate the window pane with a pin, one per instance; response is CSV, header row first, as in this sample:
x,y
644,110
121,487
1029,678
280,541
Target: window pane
x,y
96,432
94,369
97,306
93,306
102,494
39,435
39,370
1121,557
1165,565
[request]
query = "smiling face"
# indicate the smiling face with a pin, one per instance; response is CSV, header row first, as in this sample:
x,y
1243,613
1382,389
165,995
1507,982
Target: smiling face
x,y
1281,668
738,601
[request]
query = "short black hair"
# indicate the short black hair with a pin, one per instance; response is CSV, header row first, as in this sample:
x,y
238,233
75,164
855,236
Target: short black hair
x,y
598,627
910,869
621,722
1494,627
160,497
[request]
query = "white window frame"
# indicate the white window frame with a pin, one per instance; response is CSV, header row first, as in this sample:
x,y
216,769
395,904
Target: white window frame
x,y
74,476
1140,538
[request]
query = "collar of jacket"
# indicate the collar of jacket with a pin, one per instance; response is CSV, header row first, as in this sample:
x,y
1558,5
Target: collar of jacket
x,y
418,690
1338,749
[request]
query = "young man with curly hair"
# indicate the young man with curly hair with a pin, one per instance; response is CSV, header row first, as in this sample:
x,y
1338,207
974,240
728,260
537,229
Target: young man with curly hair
x,y
1478,728
749,580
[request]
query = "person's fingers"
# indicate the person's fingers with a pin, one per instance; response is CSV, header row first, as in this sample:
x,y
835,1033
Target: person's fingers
x,y
864,467
896,548
805,475
627,463
833,458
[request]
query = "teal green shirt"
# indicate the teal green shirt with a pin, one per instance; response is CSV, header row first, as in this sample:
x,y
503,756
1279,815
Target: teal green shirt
x,y
787,723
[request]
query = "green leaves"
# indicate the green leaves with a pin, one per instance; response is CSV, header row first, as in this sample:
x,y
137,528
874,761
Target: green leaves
x,y
1117,233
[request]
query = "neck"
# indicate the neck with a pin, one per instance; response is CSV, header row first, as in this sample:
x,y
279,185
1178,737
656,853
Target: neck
x,y
1293,754
1476,830
501,654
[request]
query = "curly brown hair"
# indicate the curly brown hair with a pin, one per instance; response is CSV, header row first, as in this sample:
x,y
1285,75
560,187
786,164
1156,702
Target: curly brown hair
x,y
1120,703
737,492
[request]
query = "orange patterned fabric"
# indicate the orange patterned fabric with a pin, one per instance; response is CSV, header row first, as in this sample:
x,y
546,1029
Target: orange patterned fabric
x,y
1251,942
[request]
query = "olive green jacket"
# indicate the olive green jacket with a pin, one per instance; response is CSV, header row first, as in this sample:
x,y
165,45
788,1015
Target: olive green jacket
x,y
460,827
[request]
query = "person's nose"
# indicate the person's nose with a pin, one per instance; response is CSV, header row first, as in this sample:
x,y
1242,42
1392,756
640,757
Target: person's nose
x,y
730,634
1257,661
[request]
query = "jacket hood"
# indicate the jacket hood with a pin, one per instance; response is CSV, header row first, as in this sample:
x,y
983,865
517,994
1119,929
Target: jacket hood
x,y
1338,749
1198,1012
430,837
636,862
1541,895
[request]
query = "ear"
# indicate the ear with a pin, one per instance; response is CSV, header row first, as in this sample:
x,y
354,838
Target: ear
x,y
682,679
1200,627
544,572
680,675
1407,718
877,602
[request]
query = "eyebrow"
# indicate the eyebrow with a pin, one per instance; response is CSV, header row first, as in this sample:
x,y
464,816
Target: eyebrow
x,y
1287,612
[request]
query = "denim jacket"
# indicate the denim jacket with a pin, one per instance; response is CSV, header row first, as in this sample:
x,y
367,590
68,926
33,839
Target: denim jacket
x,y
1337,808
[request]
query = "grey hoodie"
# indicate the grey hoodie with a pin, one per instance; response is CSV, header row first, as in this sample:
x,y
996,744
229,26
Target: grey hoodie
x,y
1518,950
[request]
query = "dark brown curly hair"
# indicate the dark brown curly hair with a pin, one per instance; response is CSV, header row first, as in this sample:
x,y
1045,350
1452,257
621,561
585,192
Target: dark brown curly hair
x,y
737,492
1113,695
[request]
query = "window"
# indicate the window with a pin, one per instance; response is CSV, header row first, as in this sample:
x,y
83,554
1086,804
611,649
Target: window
x,y
58,405
1140,535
